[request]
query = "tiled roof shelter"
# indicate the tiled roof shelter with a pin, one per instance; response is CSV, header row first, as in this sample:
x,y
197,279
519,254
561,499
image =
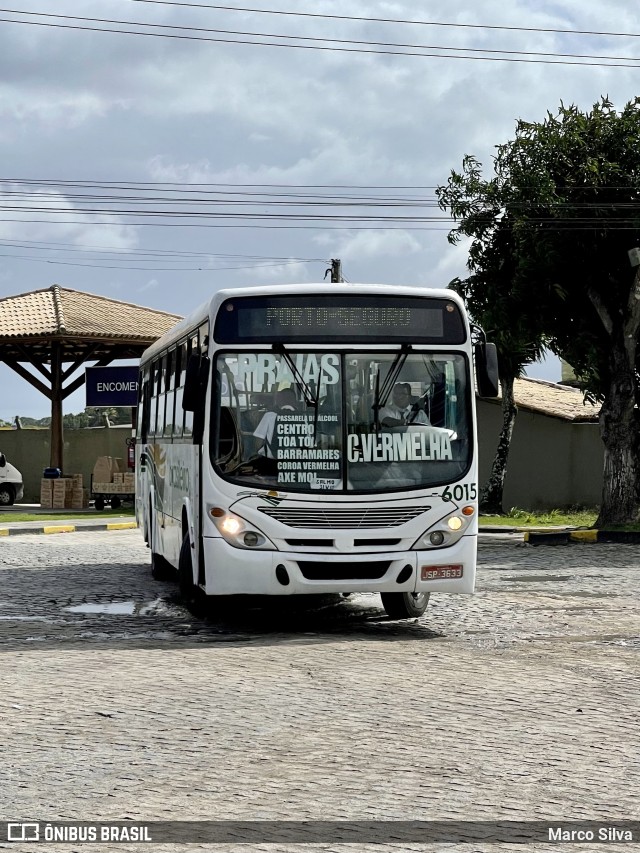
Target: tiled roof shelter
x,y
55,331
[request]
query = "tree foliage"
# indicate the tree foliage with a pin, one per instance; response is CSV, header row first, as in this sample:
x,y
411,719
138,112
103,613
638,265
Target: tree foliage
x,y
565,196
90,417
495,298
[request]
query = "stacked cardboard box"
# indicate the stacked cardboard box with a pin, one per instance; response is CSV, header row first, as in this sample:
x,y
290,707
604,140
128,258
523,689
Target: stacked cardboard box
x,y
60,492
106,467
79,498
113,488
110,477
46,493
63,492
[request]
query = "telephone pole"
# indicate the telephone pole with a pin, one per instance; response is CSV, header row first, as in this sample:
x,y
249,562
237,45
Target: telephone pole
x,y
335,270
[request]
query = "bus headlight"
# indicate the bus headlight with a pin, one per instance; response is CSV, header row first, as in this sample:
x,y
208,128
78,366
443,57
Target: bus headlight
x,y
446,531
238,532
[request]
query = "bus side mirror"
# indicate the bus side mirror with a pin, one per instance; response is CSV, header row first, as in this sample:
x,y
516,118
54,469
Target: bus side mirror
x,y
3,460
486,358
195,383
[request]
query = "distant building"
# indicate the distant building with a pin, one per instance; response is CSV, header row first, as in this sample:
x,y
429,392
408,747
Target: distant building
x,y
556,458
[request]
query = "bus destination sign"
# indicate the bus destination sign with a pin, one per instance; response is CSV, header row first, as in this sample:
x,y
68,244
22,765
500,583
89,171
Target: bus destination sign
x,y
327,319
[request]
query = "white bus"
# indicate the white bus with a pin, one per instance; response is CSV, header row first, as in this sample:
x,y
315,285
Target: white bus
x,y
304,439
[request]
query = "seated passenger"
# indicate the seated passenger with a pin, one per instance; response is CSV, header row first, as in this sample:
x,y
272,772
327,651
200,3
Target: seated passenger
x,y
286,401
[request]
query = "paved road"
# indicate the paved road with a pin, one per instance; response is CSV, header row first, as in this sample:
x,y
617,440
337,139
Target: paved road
x,y
520,703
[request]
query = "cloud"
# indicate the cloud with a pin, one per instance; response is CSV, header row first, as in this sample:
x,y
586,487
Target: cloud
x,y
131,109
49,110
370,245
50,215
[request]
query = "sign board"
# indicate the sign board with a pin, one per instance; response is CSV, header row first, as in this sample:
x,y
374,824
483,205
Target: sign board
x,y
112,386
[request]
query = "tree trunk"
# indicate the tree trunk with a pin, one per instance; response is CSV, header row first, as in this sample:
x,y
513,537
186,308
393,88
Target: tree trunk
x,y
491,496
619,433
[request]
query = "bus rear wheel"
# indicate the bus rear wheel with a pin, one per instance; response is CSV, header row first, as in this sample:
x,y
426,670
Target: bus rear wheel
x,y
161,569
192,596
404,605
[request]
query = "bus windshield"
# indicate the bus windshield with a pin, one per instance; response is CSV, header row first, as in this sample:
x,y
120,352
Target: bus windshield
x,y
348,422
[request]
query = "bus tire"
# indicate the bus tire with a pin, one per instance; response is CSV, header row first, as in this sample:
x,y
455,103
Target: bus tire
x,y
161,570
404,605
192,596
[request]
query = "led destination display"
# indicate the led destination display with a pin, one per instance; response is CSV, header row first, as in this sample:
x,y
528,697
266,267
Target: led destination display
x,y
326,319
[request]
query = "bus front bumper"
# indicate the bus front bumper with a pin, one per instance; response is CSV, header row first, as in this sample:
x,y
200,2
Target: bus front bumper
x,y
236,571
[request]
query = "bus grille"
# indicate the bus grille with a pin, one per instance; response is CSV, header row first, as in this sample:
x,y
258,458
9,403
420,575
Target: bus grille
x,y
343,571
345,518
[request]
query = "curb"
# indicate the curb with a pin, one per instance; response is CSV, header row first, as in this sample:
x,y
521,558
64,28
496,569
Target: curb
x,y
567,536
48,529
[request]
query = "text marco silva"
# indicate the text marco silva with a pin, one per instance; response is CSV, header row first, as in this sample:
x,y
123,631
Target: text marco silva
x,y
602,833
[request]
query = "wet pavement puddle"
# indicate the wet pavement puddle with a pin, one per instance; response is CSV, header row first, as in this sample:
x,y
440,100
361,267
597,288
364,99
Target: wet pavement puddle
x,y
111,608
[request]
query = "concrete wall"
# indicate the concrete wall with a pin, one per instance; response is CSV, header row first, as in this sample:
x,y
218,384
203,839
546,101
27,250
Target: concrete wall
x,y
28,450
552,463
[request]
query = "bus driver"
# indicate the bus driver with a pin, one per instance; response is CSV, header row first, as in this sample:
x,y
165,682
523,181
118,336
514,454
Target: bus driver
x,y
401,411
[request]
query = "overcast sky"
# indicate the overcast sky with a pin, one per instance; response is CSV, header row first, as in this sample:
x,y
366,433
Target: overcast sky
x,y
165,113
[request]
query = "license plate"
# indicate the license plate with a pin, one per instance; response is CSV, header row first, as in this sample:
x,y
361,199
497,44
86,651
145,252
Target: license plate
x,y
437,573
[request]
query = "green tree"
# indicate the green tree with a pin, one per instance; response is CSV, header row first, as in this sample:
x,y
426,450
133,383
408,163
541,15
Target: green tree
x,y
493,298
569,188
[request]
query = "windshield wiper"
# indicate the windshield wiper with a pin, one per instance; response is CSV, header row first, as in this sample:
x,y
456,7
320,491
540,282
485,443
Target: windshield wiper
x,y
310,398
382,394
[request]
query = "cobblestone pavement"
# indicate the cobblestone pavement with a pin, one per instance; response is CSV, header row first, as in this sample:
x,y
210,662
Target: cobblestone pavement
x,y
519,703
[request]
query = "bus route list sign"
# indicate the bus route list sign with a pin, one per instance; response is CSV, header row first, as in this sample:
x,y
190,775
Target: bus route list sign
x,y
112,386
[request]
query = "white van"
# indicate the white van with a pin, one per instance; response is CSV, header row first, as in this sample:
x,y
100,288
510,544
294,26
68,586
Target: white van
x,y
11,487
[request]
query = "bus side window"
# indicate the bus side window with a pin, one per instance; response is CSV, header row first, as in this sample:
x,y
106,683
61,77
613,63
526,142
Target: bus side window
x,y
153,398
142,417
169,381
143,407
204,338
192,347
162,397
181,366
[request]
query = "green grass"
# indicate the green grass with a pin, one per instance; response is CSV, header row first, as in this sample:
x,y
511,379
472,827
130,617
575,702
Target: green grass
x,y
573,517
64,515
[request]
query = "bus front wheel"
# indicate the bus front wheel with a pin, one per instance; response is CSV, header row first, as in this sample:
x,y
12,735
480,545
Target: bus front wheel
x,y
193,597
404,605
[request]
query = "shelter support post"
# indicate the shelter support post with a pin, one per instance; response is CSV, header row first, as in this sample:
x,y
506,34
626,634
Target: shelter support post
x,y
57,438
